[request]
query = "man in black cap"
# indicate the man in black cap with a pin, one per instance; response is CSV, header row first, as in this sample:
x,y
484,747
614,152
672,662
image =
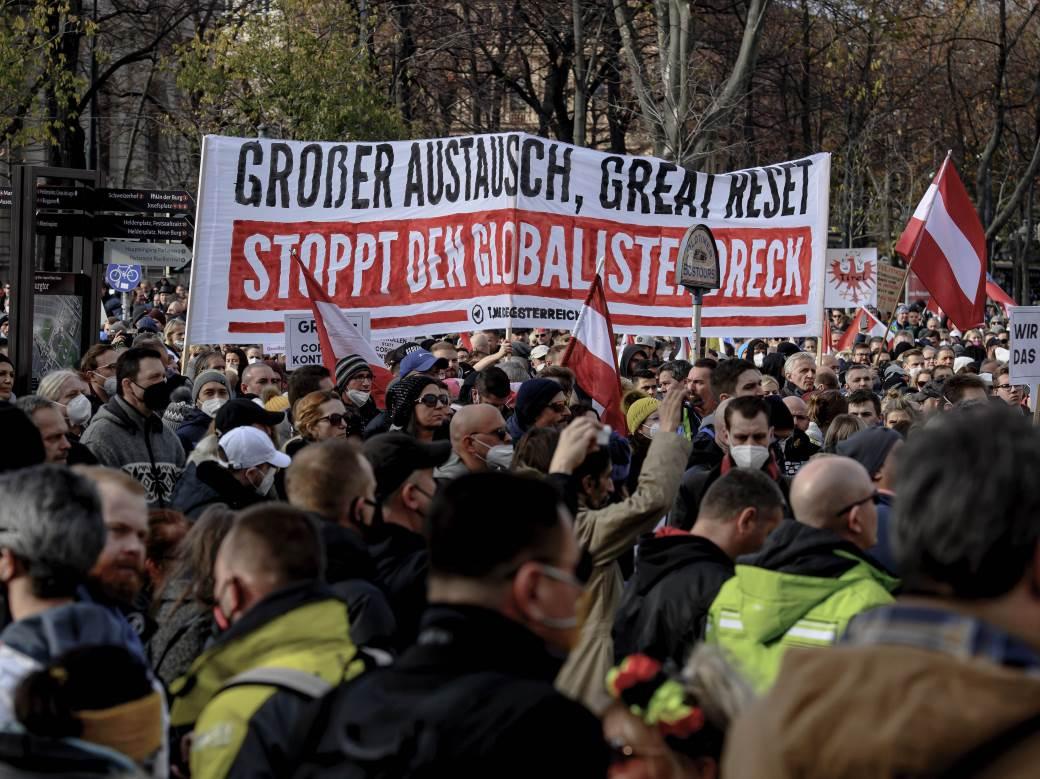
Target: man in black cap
x,y
403,468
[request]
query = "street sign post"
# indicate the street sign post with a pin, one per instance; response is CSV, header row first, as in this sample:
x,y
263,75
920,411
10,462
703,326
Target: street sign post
x,y
697,269
150,255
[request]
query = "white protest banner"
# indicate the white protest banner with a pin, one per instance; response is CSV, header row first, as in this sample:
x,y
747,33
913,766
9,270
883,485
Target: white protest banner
x,y
851,278
1024,323
457,234
302,345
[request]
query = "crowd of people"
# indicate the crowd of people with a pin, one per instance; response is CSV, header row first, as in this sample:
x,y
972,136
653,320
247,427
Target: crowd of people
x,y
791,563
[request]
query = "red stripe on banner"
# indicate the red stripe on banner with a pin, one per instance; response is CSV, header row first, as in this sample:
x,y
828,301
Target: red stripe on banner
x,y
256,327
708,321
434,318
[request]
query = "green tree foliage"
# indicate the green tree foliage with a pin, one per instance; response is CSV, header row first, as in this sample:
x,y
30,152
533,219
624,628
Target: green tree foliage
x,y
297,71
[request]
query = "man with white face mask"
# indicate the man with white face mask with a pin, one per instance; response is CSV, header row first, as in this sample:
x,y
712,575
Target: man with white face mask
x,y
243,477
479,442
354,384
208,393
745,438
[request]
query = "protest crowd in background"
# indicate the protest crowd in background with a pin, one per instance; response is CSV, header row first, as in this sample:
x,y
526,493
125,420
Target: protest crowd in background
x,y
791,562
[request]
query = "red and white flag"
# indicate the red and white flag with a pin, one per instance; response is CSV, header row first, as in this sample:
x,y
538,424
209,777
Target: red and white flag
x,y
340,338
590,354
875,327
997,294
946,245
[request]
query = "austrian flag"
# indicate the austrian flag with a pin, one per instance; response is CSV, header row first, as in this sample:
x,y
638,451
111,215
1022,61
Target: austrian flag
x,y
946,246
590,354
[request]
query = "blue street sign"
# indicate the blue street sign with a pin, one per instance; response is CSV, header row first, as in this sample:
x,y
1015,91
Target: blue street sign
x,y
123,278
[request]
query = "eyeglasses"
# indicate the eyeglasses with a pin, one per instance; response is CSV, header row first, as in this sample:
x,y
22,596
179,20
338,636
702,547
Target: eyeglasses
x,y
872,496
499,432
362,377
432,401
336,420
560,407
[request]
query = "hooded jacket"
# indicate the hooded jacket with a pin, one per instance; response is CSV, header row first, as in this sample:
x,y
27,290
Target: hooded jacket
x,y
800,590
628,353
695,484
607,534
472,698
665,605
206,484
31,643
240,727
890,706
120,437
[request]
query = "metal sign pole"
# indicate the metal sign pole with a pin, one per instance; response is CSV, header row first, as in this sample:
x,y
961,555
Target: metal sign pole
x,y
698,302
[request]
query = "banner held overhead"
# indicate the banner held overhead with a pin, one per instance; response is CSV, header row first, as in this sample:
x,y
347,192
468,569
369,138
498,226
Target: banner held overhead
x,y
492,231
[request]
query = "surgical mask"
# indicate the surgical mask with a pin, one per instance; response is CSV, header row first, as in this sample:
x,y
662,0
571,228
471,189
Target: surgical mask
x,y
499,458
650,430
253,360
358,397
266,483
179,344
79,411
212,406
759,358
111,386
749,456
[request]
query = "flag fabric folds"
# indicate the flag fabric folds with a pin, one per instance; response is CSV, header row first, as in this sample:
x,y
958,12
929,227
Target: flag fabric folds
x,y
946,246
875,327
590,354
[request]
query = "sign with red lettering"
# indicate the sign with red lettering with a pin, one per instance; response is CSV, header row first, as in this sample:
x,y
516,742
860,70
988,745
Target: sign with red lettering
x,y
486,231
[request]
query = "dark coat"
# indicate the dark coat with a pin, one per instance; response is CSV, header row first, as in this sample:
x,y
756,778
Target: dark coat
x,y
696,482
402,562
474,698
206,484
665,605
26,756
193,429
882,550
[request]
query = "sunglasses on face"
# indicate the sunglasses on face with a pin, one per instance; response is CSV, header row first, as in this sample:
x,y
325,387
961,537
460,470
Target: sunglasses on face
x,y
432,401
335,420
500,433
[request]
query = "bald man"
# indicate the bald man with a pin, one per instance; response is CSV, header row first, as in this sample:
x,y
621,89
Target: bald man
x,y
475,431
799,410
812,576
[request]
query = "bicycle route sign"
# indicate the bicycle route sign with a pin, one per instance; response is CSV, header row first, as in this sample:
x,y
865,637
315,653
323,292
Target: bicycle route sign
x,y
123,278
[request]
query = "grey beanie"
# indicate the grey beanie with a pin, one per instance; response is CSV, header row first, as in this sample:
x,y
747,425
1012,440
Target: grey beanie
x,y
203,379
348,367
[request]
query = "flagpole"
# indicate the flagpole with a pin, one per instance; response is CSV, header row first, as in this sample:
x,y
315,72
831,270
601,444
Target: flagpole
x,y
913,253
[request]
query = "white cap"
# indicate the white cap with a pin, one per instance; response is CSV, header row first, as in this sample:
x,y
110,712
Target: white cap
x,y
646,340
986,377
961,362
539,352
247,447
1002,354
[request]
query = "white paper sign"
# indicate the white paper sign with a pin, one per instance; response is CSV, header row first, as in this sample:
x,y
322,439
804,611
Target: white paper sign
x,y
851,278
1025,345
302,344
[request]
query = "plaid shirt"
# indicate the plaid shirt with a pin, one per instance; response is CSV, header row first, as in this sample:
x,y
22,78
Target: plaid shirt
x,y
940,630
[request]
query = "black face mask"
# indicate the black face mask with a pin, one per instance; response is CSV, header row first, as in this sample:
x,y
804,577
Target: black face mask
x,y
156,397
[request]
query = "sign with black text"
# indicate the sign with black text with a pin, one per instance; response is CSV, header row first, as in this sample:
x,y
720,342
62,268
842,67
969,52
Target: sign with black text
x,y
302,345
1025,345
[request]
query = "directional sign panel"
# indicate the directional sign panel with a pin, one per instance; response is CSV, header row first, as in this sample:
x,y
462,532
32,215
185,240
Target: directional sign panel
x,y
152,201
62,224
145,227
153,255
64,198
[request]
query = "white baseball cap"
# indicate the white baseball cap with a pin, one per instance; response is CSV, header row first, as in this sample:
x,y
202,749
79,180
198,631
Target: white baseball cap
x,y
539,352
247,447
962,362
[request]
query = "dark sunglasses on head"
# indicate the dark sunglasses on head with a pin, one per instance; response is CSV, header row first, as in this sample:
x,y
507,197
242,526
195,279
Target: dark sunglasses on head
x,y
335,419
431,400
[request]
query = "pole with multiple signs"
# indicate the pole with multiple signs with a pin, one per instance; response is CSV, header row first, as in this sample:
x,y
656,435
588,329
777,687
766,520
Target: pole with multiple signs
x,y
697,269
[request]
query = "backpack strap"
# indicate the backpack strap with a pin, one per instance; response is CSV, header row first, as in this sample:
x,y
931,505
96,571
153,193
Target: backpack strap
x,y
301,682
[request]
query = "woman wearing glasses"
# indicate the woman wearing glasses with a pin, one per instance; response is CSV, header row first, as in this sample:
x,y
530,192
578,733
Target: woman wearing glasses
x,y
420,406
320,416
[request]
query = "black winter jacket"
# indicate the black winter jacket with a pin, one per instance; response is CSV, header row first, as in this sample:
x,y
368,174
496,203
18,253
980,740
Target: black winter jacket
x,y
473,698
206,484
696,482
402,562
665,605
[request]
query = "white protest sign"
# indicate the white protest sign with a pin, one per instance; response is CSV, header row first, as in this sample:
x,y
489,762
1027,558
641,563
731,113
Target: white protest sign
x,y
302,344
1025,345
448,235
851,278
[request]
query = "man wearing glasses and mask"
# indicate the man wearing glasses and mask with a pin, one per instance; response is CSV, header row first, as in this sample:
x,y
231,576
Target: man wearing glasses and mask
x,y
479,442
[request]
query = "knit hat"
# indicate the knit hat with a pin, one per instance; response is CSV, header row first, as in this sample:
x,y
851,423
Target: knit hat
x,y
347,368
870,447
205,378
532,397
640,411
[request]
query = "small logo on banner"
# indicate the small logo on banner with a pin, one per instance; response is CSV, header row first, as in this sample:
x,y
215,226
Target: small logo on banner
x,y
477,314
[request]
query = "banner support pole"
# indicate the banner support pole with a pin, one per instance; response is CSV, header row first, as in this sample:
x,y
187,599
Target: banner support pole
x,y
695,347
1036,405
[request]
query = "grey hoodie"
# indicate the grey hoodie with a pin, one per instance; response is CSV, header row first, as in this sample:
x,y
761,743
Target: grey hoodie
x,y
120,437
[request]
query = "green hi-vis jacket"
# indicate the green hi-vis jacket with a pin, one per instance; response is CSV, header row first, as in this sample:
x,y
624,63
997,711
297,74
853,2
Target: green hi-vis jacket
x,y
802,590
245,694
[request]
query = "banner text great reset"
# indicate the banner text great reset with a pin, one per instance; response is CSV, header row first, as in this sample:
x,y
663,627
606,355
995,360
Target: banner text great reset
x,y
484,231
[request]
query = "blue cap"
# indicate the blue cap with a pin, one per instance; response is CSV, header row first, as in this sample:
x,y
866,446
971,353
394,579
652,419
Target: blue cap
x,y
420,360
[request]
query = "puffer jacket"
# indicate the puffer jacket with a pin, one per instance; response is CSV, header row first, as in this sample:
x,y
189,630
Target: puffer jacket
x,y
206,484
800,590
607,534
